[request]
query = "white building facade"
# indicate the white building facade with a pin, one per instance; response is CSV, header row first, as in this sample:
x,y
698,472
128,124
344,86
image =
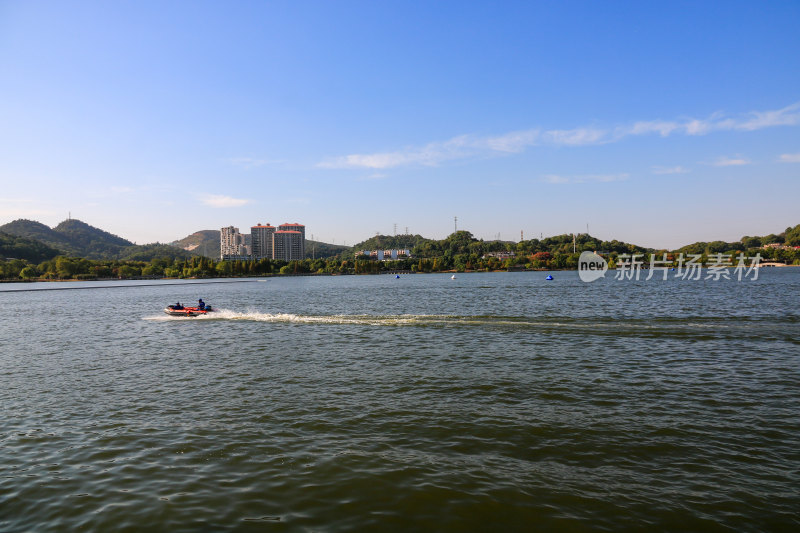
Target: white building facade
x,y
287,242
232,244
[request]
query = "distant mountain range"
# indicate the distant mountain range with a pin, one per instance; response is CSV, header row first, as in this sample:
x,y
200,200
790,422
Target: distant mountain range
x,y
72,237
31,240
35,242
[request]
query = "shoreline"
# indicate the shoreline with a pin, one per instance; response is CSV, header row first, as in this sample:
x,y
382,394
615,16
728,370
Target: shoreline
x,y
240,279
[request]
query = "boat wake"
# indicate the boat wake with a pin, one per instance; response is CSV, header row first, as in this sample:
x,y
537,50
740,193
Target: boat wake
x,y
700,328
369,320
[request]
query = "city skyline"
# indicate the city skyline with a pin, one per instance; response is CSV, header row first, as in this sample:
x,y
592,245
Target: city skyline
x,y
265,241
659,125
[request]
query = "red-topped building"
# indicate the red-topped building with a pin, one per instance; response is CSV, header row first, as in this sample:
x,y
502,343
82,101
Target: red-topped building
x,y
261,241
298,249
287,245
286,242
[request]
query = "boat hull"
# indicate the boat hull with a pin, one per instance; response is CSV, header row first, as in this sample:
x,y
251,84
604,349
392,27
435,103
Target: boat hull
x,y
187,311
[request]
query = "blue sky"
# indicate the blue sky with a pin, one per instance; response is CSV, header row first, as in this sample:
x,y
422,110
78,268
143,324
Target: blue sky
x,y
655,123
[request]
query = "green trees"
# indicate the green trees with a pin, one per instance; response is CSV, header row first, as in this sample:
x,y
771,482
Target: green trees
x,y
14,247
28,272
792,236
460,251
12,268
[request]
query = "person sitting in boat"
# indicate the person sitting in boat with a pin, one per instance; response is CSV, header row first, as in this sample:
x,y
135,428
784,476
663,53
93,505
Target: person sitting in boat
x,y
177,306
201,304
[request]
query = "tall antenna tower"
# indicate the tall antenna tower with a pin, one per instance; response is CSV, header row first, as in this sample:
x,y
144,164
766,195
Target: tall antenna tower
x,y
406,230
455,224
395,229
521,236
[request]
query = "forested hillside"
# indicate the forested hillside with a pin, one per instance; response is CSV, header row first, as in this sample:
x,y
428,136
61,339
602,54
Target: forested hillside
x,y
14,247
75,238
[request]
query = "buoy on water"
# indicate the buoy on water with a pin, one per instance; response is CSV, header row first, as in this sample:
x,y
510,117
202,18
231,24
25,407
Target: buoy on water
x,y
397,276
549,277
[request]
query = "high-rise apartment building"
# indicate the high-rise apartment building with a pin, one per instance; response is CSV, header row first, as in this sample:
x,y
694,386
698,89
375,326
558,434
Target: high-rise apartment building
x,y
232,244
301,229
286,242
261,237
287,245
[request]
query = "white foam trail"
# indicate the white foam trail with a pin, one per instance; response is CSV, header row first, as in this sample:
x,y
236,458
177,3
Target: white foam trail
x,y
385,320
256,316
377,320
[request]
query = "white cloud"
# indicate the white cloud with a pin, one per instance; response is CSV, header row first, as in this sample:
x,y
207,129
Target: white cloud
x,y
788,116
731,162
577,137
585,178
670,170
698,127
513,142
220,201
754,120
789,158
429,155
469,146
661,127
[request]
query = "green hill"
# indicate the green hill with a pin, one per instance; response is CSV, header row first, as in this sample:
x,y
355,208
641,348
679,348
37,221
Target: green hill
x,y
71,237
31,229
92,243
788,237
148,252
14,247
464,243
204,242
321,250
77,239
392,242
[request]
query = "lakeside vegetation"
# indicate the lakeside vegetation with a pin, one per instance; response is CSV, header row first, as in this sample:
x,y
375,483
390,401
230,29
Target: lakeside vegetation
x,y
21,257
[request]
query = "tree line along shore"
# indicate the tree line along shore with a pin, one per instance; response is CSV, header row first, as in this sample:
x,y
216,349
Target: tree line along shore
x,y
459,252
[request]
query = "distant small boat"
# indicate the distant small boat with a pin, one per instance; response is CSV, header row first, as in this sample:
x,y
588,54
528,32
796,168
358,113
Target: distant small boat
x,y
453,276
173,310
549,277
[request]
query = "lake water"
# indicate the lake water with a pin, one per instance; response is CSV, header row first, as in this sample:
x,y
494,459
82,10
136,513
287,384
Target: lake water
x,y
494,401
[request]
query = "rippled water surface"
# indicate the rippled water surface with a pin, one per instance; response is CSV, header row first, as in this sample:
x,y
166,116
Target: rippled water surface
x,y
488,402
